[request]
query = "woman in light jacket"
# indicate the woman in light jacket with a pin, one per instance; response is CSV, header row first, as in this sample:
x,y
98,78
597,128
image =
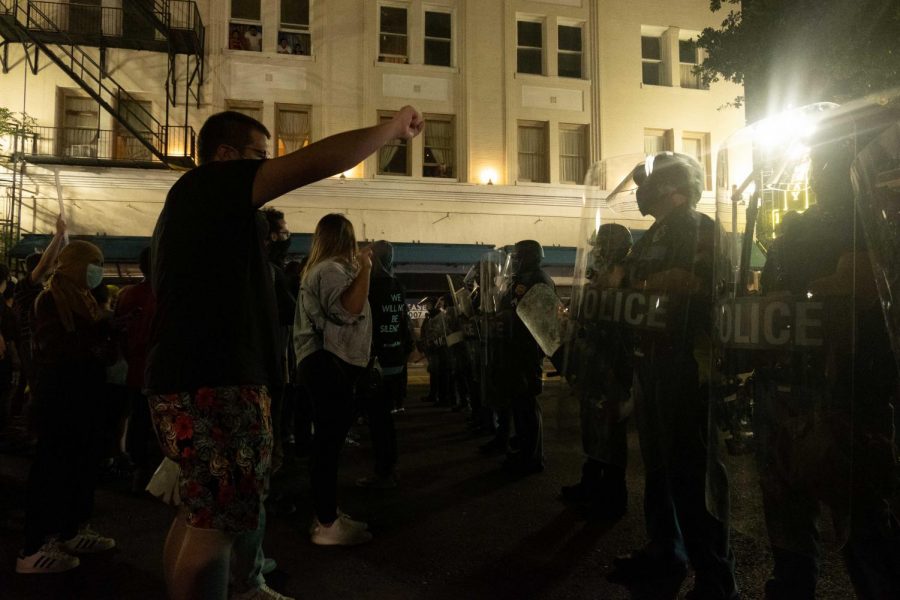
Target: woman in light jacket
x,y
333,340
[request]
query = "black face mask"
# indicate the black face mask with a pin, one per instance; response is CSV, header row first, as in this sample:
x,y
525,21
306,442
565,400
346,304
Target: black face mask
x,y
278,251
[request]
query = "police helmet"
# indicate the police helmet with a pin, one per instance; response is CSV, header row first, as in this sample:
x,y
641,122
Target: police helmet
x,y
526,255
668,173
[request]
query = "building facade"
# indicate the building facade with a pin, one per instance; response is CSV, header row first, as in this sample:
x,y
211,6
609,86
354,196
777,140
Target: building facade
x,y
520,97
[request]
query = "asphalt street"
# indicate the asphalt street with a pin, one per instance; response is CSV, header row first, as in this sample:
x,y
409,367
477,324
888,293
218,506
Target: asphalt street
x,y
457,527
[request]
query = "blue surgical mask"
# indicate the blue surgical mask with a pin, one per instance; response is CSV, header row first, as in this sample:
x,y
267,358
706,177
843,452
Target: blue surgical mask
x,y
94,275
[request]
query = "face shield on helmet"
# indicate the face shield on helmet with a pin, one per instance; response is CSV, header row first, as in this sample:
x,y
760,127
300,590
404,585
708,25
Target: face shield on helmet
x,y
526,256
665,174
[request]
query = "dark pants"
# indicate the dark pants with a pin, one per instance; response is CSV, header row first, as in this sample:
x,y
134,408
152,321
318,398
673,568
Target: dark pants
x,y
140,431
64,472
528,420
330,382
381,423
672,423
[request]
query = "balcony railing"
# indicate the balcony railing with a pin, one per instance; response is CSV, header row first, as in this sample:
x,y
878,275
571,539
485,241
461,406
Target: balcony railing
x,y
92,21
86,144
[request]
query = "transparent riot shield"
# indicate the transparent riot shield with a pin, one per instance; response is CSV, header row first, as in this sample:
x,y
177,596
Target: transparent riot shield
x,y
786,325
491,285
598,353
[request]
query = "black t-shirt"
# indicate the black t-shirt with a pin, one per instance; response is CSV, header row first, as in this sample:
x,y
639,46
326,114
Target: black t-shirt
x,y
391,337
216,319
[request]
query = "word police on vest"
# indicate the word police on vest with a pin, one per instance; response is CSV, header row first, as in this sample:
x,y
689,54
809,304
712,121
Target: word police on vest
x,y
763,323
634,308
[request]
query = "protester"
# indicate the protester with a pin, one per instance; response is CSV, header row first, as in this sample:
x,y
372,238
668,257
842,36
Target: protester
x,y
213,353
333,340
72,347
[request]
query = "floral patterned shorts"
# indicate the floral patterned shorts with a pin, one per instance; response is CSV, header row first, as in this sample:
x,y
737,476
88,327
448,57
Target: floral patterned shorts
x,y
222,439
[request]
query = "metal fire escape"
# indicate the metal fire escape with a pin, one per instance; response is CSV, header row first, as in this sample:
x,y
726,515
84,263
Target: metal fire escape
x,y
61,32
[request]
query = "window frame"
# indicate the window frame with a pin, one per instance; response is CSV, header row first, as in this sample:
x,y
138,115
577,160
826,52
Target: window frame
x,y
563,52
289,107
705,159
444,118
381,55
451,41
584,129
244,24
545,128
242,105
542,48
295,29
659,62
667,135
385,115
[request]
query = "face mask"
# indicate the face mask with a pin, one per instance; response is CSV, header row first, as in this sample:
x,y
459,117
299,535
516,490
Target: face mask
x,y
94,276
278,250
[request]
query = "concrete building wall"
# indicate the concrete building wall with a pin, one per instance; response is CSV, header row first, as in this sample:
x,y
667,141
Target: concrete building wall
x,y
345,86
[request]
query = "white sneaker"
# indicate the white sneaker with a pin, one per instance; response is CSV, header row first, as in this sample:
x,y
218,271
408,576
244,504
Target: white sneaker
x,y
345,517
49,559
89,541
263,592
343,532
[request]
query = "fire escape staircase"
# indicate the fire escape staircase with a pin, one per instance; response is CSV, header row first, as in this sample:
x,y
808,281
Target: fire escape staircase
x,y
28,22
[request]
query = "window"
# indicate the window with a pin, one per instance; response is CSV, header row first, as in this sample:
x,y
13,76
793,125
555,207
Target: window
x,y
439,149
438,38
394,157
291,128
530,51
697,145
569,58
688,56
657,140
392,37
293,35
651,60
245,27
251,109
572,153
533,165
80,132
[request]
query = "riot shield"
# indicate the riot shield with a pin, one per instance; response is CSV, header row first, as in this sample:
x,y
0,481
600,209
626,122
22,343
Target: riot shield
x,y
539,311
492,284
789,318
598,352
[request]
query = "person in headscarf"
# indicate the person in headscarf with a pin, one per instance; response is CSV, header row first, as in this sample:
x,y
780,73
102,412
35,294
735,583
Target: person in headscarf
x,y
72,347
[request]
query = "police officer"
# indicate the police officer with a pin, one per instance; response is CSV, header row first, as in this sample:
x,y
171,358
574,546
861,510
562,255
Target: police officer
x,y
838,395
674,260
600,367
522,358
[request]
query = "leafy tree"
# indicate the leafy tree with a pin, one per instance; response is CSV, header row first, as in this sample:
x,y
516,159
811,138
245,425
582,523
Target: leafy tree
x,y
794,52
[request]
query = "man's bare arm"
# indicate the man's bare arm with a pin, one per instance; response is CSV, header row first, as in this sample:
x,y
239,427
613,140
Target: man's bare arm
x,y
330,156
48,258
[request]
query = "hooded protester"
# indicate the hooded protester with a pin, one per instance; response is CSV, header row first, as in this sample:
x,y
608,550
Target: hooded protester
x,y
392,342
72,347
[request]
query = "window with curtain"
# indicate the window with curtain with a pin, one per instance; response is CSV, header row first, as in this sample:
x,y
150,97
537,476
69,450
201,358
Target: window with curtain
x,y
392,35
438,40
572,153
656,141
439,149
530,50
533,164
651,60
293,34
697,146
291,128
393,157
569,58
